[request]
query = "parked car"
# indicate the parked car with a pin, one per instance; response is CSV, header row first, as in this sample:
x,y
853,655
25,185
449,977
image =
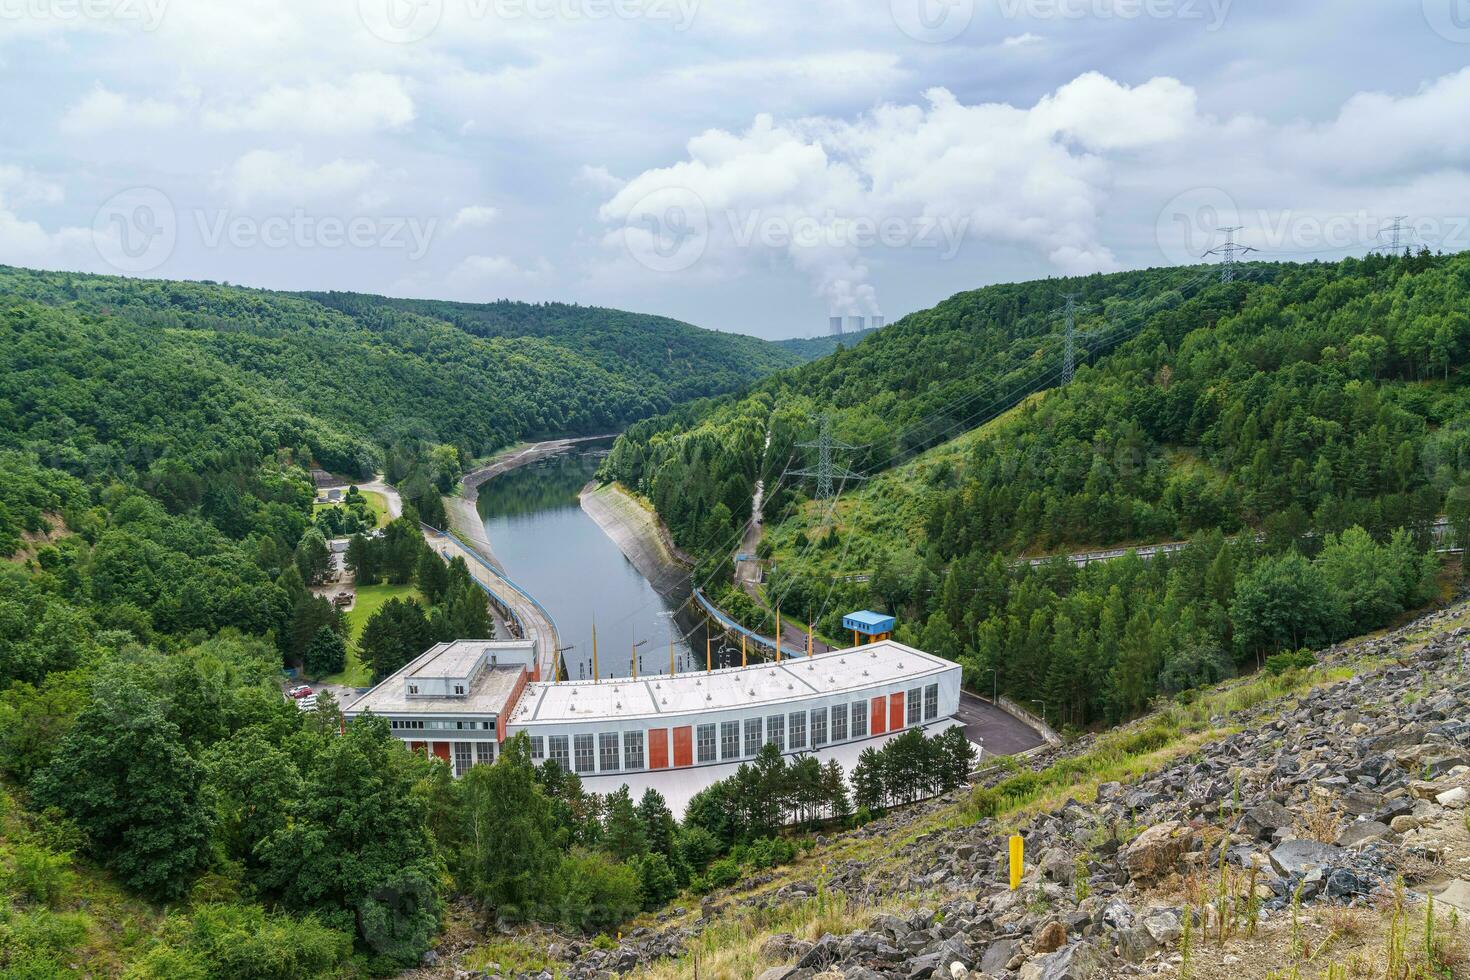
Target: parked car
x,y
299,691
307,703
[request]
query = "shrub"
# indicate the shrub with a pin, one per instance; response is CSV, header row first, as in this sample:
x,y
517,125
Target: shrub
x,y
37,873
724,873
697,847
246,941
591,891
1283,662
655,879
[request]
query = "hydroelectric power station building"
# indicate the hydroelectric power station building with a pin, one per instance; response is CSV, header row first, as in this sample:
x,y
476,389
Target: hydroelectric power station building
x,y
461,700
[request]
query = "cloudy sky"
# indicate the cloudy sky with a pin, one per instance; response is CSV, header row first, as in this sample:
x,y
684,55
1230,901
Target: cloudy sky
x,y
749,165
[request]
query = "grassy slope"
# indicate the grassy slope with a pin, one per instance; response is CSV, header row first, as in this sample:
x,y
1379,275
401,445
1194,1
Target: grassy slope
x,y
375,501
75,915
370,599
888,511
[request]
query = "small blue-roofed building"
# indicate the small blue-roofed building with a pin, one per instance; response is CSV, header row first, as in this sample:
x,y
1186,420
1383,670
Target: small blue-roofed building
x,y
866,623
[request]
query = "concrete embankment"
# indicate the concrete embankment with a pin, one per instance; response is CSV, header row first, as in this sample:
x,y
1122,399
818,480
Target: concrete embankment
x,y
515,458
639,534
464,521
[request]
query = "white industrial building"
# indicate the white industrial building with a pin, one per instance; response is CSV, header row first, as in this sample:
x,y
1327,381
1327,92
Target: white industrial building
x,y
459,700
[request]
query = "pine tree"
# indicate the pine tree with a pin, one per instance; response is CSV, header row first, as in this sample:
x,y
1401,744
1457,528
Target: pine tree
x,y
623,835
326,653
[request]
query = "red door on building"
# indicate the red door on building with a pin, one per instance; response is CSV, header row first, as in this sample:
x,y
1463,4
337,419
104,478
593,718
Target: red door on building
x,y
684,746
441,750
658,748
895,711
417,746
877,722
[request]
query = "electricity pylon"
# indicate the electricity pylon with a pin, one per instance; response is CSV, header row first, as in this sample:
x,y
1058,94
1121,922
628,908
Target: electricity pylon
x,y
1229,251
826,468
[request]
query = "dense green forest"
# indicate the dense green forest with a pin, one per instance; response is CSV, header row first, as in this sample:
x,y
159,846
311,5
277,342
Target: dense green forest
x,y
679,360
811,348
158,376
1305,424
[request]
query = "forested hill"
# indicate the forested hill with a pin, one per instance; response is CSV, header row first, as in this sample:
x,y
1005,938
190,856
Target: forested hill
x,y
97,366
811,348
683,360
1322,406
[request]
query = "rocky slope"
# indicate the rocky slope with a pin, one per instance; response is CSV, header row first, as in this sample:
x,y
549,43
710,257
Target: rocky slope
x,y
1292,833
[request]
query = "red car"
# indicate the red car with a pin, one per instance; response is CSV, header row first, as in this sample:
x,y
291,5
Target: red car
x,y
299,691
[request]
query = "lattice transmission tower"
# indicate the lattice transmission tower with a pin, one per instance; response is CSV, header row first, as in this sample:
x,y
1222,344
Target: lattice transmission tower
x,y
826,468
1229,252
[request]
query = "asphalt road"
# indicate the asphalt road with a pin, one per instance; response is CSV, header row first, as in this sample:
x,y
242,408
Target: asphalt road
x,y
990,727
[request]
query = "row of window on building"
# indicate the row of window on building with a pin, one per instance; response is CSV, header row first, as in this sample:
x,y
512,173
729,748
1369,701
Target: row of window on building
x,y
730,741
440,724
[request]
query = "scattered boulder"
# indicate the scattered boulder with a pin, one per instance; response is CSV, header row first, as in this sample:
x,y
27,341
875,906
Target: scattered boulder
x,y
1455,798
1157,851
1077,962
1295,857
1361,832
1263,820
1052,937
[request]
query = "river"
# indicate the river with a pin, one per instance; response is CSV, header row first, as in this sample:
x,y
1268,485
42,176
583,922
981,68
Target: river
x,y
551,548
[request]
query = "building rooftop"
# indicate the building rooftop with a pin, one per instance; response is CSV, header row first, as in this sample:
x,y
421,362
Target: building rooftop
x,y
487,693
869,620
733,687
457,659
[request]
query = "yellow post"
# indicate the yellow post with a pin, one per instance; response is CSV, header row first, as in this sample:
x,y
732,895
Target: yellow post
x,y
671,652
809,644
1018,859
635,661
709,658
778,634
742,650
595,675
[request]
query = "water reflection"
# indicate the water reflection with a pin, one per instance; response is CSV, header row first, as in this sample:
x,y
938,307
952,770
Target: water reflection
x,y
552,549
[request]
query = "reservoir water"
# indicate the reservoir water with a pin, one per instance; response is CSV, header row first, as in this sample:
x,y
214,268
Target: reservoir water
x,y
553,550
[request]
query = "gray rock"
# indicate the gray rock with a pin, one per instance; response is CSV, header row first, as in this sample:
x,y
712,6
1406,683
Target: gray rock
x,y
1078,962
1361,832
1136,943
1457,894
993,961
1259,821
1299,856
1163,925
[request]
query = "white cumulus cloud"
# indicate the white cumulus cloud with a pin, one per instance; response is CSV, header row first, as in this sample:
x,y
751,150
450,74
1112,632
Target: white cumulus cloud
x,y
102,110
272,175
829,194
364,102
474,216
